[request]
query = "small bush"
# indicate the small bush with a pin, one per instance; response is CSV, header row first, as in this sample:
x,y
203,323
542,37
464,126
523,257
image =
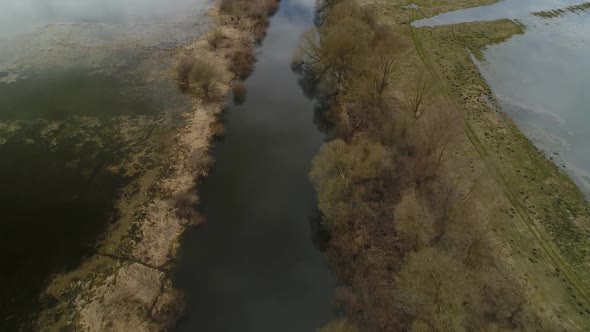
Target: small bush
x,y
183,70
218,129
262,9
204,76
242,61
259,10
185,207
239,91
215,38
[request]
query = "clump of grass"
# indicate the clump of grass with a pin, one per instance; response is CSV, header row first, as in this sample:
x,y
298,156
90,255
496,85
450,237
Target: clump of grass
x,y
215,38
239,91
242,61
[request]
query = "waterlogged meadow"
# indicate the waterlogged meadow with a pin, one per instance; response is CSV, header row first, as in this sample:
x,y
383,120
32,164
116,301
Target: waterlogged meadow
x,y
86,107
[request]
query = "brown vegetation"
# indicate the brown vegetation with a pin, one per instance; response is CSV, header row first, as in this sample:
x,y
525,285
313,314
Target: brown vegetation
x,y
242,62
215,38
415,250
255,9
201,75
239,91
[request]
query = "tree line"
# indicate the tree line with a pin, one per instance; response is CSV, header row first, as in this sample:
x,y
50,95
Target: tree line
x,y
413,246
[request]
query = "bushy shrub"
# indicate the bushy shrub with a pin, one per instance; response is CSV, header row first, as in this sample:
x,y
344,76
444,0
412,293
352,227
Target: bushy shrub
x,y
204,77
259,10
242,61
183,70
185,207
215,38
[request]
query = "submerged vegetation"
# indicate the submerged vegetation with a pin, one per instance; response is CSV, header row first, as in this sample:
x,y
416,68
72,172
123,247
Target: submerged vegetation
x,y
413,239
560,12
125,282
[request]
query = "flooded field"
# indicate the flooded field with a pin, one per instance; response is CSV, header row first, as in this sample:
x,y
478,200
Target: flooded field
x,y
540,77
86,106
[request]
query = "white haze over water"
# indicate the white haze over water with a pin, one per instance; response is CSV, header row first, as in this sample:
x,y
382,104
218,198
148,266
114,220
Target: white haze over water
x,y
23,16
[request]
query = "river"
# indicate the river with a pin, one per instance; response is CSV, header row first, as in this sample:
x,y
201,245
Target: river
x,y
256,263
540,78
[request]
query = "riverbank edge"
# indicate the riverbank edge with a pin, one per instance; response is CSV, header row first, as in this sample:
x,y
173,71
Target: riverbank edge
x,y
547,242
126,284
522,220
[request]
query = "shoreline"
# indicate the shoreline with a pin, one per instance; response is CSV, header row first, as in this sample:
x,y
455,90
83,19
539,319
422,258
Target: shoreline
x,y
545,245
127,283
534,212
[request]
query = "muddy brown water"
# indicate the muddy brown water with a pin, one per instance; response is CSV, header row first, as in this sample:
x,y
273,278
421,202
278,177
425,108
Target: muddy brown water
x,y
254,265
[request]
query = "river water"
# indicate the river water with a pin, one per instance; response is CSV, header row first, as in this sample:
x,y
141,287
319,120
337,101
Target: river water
x,y
541,78
255,264
81,89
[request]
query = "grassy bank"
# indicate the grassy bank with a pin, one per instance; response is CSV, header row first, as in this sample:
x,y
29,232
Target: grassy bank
x,y
126,284
425,178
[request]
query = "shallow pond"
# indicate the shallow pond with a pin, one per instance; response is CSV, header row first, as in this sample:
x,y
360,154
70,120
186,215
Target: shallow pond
x,y
76,100
254,265
540,78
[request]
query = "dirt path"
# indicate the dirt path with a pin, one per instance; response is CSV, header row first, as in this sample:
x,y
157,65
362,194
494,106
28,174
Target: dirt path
x,y
536,230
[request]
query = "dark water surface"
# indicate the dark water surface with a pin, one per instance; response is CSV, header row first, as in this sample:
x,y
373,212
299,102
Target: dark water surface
x,y
62,111
253,266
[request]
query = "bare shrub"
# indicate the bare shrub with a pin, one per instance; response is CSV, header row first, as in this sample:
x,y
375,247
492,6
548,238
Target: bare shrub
x,y
204,77
185,207
420,93
414,222
432,134
259,10
231,7
262,9
200,160
215,38
183,70
218,129
433,288
338,167
242,61
239,92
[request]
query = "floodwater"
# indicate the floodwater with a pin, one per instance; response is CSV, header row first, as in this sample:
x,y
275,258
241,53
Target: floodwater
x,y
511,9
255,264
541,78
77,79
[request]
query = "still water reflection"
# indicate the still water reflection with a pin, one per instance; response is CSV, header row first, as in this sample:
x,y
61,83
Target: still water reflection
x,y
253,265
541,78
72,97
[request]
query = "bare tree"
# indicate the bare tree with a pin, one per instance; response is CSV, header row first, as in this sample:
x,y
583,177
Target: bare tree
x,y
420,94
434,132
388,47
